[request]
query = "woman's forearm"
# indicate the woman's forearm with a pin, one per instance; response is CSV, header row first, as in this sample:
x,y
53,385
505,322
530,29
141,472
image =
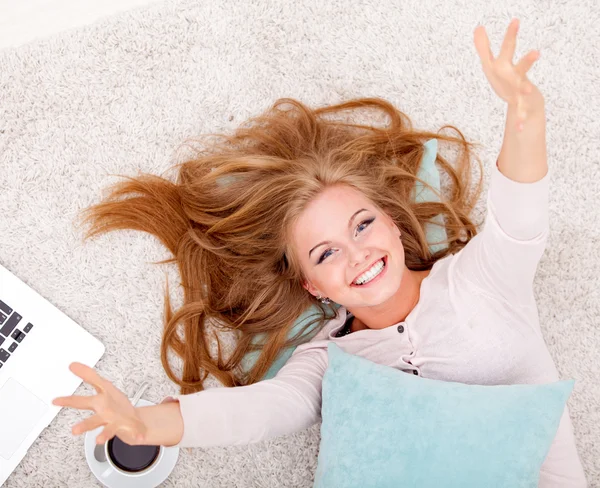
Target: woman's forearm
x,y
523,157
164,424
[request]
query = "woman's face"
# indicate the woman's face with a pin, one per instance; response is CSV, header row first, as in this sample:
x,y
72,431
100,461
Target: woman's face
x,y
360,235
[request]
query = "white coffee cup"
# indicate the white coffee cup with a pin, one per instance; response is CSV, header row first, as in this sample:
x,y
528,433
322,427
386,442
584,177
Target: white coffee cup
x,y
112,476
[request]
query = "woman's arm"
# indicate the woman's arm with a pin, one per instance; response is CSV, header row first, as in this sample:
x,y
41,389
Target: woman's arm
x,y
164,424
523,156
502,260
287,403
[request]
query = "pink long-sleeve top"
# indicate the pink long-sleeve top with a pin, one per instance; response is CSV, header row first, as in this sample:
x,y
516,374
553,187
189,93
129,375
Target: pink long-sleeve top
x,y
476,322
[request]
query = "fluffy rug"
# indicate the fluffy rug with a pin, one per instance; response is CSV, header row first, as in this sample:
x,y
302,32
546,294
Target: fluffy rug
x,y
120,96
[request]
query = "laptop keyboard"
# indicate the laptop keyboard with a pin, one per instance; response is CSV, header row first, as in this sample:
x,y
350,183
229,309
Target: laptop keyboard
x,y
10,333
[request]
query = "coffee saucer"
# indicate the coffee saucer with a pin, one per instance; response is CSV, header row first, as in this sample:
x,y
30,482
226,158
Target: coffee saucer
x,y
111,478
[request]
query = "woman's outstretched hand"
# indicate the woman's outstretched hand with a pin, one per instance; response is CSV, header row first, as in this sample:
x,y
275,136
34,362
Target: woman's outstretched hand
x,y
509,81
113,409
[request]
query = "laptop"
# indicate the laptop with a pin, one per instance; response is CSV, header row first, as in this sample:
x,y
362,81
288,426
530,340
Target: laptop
x,y
37,344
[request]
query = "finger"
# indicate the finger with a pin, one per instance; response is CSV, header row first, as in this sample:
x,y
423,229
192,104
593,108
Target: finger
x,y
527,62
482,44
507,50
107,433
90,423
89,375
81,402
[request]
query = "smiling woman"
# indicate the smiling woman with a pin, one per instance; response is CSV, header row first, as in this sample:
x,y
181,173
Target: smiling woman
x,y
299,203
362,265
247,219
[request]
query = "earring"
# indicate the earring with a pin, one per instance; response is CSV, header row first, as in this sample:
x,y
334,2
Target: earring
x,y
324,300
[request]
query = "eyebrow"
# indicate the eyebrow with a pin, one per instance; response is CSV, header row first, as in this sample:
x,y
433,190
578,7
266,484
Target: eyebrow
x,y
349,224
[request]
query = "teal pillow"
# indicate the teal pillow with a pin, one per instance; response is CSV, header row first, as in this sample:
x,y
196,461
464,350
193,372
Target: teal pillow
x,y
435,233
382,428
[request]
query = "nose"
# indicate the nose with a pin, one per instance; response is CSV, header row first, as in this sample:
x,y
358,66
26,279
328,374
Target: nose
x,y
357,256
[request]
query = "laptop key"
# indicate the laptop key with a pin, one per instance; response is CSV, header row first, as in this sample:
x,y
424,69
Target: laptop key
x,y
4,355
2,318
13,346
16,334
28,327
10,324
5,308
1,340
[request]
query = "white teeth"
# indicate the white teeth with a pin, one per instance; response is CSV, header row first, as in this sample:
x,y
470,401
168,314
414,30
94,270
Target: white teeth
x,y
372,273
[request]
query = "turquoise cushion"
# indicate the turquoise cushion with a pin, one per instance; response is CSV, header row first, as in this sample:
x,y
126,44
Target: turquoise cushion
x,y
382,427
427,172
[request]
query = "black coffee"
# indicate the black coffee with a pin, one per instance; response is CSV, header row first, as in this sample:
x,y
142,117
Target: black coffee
x,y
131,458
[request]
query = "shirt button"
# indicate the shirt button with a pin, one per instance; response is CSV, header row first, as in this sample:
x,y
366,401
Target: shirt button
x,y
400,329
415,372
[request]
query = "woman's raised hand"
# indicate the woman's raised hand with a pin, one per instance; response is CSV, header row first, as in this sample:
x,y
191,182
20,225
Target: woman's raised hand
x,y
509,81
113,409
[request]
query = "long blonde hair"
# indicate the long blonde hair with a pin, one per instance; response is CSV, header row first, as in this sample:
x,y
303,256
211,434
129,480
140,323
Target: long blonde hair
x,y
228,217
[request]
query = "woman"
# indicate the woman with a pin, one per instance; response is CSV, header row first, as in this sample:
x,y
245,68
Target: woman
x,y
299,210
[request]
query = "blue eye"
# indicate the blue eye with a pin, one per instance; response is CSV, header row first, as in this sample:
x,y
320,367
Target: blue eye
x,y
364,222
323,256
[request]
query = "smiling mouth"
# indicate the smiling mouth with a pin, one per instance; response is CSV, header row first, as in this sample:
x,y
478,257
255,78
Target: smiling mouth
x,y
385,260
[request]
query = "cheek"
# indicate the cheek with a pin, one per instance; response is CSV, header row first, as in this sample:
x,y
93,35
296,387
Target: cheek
x,y
334,277
396,251
387,241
